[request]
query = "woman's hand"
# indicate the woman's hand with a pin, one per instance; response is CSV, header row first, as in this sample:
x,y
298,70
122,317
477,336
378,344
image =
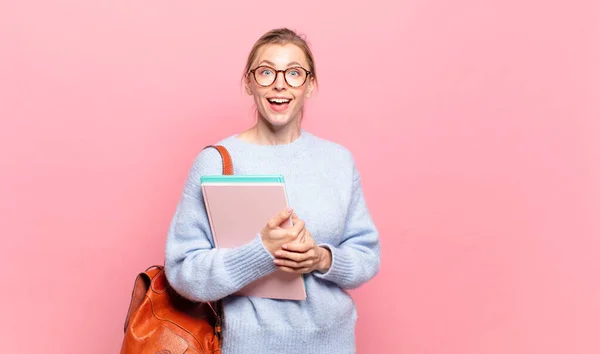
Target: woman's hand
x,y
274,236
302,255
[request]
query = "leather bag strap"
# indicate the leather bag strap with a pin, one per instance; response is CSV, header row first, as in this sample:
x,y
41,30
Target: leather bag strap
x,y
217,306
226,157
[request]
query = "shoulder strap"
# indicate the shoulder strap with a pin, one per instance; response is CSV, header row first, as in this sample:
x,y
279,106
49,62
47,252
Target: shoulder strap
x,y
217,306
226,157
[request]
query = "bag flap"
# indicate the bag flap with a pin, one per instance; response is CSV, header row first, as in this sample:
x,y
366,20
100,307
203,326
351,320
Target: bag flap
x,y
140,288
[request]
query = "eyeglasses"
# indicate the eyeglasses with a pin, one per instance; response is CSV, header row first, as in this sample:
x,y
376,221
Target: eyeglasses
x,y
295,76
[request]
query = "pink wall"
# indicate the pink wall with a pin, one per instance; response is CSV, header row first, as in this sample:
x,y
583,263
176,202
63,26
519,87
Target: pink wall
x,y
486,190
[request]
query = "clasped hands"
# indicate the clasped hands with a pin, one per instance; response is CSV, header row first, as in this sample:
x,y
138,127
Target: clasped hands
x,y
294,249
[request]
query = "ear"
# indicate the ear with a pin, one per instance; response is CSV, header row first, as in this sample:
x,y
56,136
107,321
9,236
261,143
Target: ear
x,y
310,88
247,85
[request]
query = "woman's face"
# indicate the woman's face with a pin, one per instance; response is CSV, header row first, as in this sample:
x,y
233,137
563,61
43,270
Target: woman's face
x,y
279,104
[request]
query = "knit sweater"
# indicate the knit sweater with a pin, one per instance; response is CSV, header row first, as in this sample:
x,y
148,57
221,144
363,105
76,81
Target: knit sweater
x,y
324,188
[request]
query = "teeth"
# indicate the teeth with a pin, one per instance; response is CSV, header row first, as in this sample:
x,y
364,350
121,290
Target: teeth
x,y
279,100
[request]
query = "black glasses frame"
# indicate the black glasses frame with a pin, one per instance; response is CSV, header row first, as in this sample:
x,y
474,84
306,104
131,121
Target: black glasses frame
x,y
253,71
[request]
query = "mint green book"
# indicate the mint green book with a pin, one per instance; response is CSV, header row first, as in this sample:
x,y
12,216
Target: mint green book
x,y
242,179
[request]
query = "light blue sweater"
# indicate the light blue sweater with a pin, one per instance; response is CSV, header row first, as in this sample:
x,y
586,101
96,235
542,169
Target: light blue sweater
x,y
324,188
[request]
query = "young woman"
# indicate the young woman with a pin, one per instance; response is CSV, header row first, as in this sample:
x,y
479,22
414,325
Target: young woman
x,y
333,241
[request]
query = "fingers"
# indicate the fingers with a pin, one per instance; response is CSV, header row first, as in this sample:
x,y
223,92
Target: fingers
x,y
295,217
279,218
301,237
297,228
293,264
298,247
305,266
295,256
298,225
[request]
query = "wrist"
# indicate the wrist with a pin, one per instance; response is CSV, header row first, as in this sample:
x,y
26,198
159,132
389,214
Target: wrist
x,y
267,245
325,260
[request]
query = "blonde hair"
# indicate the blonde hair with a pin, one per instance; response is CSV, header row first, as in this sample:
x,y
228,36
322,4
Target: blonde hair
x,y
282,36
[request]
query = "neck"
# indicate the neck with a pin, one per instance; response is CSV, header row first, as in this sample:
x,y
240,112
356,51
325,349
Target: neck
x,y
263,133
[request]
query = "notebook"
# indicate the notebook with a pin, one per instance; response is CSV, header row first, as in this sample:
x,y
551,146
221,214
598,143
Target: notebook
x,y
238,208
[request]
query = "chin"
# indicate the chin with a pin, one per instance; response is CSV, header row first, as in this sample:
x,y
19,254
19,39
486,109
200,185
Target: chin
x,y
278,120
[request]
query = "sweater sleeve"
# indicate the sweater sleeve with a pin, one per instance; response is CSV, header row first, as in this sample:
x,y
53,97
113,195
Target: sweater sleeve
x,y
194,268
356,259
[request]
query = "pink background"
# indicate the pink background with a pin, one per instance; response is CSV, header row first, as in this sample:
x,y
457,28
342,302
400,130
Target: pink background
x,y
475,125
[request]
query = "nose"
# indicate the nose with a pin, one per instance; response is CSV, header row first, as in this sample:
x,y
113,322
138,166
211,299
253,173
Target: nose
x,y
280,83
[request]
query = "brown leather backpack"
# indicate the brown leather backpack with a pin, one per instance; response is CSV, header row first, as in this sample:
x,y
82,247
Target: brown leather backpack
x,y
160,321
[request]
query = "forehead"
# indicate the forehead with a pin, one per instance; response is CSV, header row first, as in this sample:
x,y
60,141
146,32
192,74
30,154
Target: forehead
x,y
281,55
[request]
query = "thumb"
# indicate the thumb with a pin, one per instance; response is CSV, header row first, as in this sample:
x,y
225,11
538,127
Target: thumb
x,y
280,217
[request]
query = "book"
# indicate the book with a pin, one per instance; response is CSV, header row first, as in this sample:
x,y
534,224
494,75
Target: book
x,y
238,207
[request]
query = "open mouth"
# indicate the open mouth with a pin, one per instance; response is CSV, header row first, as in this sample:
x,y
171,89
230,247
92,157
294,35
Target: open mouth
x,y
279,104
